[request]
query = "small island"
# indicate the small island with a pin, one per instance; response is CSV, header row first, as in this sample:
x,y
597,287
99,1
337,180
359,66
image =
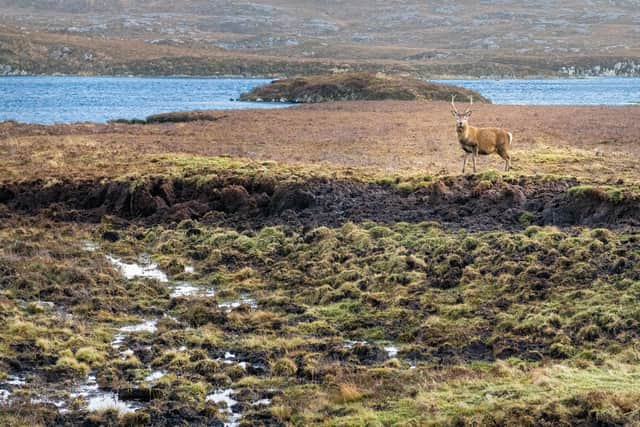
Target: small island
x,y
356,87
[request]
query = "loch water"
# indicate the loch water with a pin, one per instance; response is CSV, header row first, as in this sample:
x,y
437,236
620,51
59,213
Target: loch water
x,y
58,99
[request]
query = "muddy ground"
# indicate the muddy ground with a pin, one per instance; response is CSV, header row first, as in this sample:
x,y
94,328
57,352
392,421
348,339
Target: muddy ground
x,y
471,202
332,268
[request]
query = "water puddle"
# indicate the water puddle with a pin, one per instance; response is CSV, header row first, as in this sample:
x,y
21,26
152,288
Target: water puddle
x,y
7,387
351,344
230,358
100,400
224,396
60,404
145,269
89,246
16,380
13,382
186,289
232,304
154,376
150,326
392,351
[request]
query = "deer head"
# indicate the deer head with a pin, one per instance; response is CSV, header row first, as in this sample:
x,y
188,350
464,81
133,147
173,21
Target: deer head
x,y
462,119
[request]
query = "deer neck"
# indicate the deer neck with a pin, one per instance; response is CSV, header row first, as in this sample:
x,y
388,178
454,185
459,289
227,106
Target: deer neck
x,y
464,133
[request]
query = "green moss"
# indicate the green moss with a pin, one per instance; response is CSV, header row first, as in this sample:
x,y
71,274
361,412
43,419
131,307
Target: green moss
x,y
525,218
491,176
602,192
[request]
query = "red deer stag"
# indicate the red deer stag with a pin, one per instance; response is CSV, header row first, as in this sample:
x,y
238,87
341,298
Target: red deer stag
x,y
476,141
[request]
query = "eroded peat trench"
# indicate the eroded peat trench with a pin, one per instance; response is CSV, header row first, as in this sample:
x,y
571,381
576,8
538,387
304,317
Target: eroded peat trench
x,y
474,202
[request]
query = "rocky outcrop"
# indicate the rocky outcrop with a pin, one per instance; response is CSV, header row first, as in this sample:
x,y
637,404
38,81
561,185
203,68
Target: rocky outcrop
x,y
622,68
9,70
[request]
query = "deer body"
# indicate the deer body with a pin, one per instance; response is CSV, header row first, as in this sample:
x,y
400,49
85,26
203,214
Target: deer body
x,y
483,141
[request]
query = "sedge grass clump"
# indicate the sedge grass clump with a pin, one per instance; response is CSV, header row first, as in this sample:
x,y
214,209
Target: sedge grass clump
x,y
348,393
90,355
318,328
359,240
200,312
589,332
282,413
285,367
191,392
256,321
67,364
269,239
175,361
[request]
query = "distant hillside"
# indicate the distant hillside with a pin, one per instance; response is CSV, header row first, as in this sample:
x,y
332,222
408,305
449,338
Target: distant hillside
x,y
355,87
287,37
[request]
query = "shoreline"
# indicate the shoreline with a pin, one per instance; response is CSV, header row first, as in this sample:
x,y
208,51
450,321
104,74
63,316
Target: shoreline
x,y
318,107
279,77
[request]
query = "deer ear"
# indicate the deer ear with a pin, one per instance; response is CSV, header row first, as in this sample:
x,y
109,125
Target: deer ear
x,y
453,113
469,114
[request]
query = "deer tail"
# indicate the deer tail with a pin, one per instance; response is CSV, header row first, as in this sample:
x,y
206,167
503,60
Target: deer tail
x,y
510,137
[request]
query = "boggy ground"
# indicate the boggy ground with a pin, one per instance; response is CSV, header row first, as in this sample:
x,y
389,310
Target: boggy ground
x,y
358,324
203,290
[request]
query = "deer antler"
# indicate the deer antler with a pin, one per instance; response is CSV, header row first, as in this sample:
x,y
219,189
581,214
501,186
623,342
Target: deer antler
x,y
453,105
468,110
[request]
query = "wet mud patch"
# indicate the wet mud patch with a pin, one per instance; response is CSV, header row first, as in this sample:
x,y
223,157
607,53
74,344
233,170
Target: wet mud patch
x,y
477,202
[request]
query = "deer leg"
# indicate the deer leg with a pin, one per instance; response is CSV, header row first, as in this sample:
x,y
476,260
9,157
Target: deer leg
x,y
507,161
464,161
474,154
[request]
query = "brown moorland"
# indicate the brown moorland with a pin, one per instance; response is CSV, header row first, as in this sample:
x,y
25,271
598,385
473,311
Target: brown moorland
x,y
592,143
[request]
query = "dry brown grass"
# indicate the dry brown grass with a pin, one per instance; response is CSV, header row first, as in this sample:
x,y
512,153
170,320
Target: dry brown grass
x,y
595,143
348,393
